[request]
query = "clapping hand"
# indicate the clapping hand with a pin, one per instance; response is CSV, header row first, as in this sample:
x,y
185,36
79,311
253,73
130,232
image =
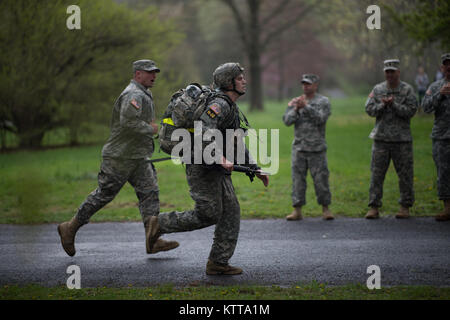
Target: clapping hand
x,y
387,101
298,102
445,90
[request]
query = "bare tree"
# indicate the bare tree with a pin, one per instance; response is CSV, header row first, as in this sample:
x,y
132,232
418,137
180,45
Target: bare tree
x,y
259,25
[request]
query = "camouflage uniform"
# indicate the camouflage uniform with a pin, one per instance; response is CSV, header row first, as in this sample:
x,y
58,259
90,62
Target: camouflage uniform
x,y
438,104
125,153
392,140
309,149
212,190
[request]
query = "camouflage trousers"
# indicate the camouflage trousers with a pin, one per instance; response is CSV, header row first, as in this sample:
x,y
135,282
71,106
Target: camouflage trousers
x,y
401,154
114,173
317,164
215,203
441,157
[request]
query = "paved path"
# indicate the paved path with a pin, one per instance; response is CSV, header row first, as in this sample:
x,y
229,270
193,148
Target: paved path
x,y
271,252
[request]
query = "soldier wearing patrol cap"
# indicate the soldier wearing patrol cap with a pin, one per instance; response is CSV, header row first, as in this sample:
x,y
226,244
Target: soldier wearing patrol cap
x,y
393,103
309,113
437,101
124,158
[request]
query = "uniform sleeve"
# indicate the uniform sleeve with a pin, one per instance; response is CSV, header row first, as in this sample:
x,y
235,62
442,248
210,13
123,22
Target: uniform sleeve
x,y
374,106
214,117
408,108
290,116
432,99
319,115
130,110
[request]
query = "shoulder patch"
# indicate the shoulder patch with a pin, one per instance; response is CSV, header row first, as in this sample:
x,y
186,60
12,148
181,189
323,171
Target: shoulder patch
x,y
211,114
215,108
135,104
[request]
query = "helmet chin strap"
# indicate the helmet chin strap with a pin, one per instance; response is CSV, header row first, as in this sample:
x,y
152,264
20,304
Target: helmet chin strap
x,y
234,89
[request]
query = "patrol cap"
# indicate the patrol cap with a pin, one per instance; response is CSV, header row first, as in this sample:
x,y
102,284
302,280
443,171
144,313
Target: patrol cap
x,y
310,78
445,56
391,64
146,65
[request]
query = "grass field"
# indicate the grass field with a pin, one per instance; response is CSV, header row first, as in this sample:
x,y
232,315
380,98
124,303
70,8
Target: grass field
x,y
49,185
312,291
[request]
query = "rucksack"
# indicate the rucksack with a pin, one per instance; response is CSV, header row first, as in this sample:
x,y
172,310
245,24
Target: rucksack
x,y
185,106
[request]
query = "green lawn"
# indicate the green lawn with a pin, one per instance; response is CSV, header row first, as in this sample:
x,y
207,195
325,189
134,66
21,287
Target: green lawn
x,y
48,186
312,291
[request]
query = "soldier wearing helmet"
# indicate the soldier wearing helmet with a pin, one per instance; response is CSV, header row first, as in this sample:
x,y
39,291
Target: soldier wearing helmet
x,y
210,186
225,75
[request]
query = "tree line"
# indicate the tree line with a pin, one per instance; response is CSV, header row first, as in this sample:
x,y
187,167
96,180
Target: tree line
x,y
52,77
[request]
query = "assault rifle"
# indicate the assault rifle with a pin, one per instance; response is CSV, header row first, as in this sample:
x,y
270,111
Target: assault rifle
x,y
251,173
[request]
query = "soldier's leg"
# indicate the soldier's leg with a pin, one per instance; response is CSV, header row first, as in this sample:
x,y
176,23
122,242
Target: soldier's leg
x,y
318,165
113,174
299,171
402,157
227,227
378,166
441,157
145,183
111,178
205,189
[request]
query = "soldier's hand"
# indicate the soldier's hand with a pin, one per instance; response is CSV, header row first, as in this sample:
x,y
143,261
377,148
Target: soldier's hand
x,y
154,127
387,101
301,102
292,103
227,165
445,90
264,178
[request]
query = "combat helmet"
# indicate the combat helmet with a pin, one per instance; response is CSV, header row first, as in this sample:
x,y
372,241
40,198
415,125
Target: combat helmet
x,y
225,74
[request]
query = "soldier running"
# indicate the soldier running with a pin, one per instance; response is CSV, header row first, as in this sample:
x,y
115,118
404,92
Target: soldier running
x,y
124,158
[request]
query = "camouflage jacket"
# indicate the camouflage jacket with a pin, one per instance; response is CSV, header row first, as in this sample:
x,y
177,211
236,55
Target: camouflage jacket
x,y
310,124
392,123
221,114
440,105
131,132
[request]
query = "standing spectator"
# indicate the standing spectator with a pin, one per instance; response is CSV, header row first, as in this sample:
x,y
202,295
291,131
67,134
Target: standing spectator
x,y
421,83
393,103
437,101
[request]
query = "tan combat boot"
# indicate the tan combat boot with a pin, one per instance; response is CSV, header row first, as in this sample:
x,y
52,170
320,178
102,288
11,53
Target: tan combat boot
x,y
164,245
327,215
445,215
67,231
217,269
403,213
152,233
372,213
295,215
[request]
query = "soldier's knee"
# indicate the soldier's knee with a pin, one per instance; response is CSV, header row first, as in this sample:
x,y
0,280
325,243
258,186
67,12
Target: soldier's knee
x,y
208,212
152,195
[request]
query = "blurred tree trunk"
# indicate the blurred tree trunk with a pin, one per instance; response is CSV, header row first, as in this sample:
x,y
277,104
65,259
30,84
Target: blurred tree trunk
x,y
256,36
254,55
30,140
281,65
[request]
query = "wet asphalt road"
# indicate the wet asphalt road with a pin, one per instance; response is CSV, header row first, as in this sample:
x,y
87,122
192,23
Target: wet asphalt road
x,y
271,252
